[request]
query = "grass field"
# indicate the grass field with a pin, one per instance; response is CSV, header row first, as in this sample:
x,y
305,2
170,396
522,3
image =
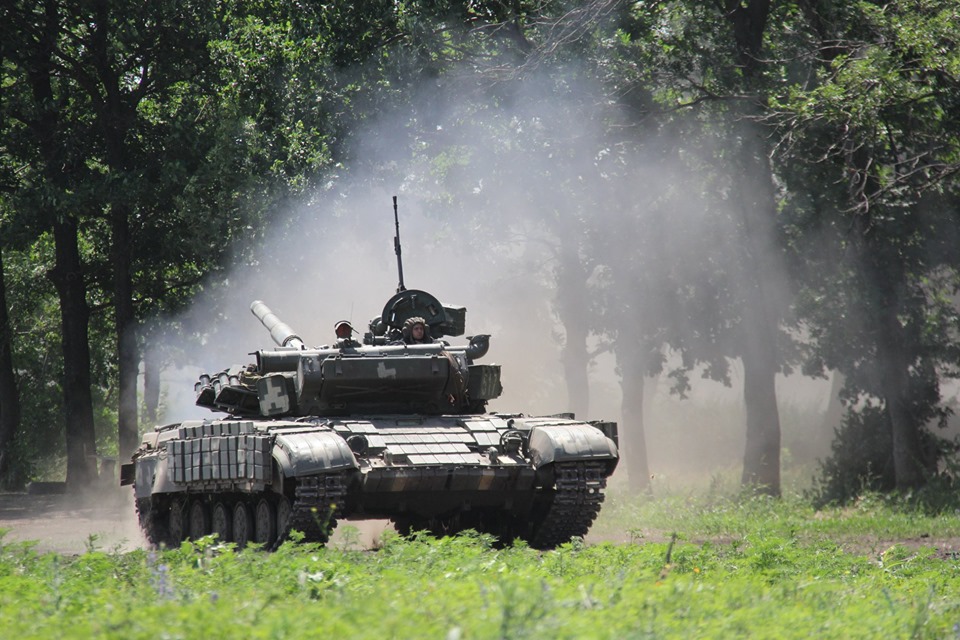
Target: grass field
x,y
683,564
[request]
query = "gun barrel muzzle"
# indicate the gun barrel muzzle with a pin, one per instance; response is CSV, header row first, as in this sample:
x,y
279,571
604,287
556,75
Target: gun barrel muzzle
x,y
279,330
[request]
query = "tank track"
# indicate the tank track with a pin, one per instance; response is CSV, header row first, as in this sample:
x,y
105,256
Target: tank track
x,y
154,530
317,501
576,503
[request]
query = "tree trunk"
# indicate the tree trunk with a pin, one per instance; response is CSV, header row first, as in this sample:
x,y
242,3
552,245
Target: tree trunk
x,y
572,307
759,271
126,325
894,363
633,440
151,385
67,276
67,273
833,415
757,203
886,278
114,115
9,394
908,464
749,20
761,457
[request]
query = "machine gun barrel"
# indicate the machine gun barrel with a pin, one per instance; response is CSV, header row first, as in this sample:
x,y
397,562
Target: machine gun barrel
x,y
396,246
280,331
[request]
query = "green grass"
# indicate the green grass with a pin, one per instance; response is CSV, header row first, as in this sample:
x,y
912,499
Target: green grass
x,y
721,512
736,567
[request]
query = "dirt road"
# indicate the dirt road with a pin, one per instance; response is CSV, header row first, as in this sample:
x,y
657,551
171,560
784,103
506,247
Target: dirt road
x,y
108,522
71,524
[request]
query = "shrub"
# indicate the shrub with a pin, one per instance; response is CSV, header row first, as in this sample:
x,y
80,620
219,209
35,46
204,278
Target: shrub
x,y
861,460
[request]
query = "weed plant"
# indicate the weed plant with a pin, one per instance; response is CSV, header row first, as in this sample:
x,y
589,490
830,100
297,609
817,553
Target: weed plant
x,y
711,564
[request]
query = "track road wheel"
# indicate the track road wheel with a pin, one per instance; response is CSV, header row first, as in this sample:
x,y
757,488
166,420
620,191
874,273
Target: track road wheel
x,y
177,521
199,520
222,524
283,518
152,523
265,527
242,524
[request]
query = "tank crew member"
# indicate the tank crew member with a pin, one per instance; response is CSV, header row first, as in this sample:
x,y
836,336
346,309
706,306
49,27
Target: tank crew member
x,y
416,331
344,331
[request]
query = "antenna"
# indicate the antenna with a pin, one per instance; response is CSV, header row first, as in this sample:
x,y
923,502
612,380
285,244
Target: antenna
x,y
396,246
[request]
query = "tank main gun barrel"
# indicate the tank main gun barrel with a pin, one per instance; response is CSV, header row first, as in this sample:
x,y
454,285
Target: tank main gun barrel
x,y
279,330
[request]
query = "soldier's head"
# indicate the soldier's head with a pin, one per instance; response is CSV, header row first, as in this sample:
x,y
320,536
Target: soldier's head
x,y
343,329
415,330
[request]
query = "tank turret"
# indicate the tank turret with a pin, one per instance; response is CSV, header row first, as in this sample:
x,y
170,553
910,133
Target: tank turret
x,y
385,374
394,427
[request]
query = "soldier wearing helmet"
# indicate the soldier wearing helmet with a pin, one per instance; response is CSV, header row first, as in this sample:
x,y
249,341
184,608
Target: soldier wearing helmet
x,y
344,331
416,331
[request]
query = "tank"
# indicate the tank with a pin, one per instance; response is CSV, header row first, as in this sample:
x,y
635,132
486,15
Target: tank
x,y
391,427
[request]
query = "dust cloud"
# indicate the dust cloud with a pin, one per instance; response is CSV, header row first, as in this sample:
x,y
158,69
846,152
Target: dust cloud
x,y
102,519
489,201
105,520
525,182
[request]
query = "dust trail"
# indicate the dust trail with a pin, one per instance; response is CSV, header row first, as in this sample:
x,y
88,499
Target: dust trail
x,y
103,520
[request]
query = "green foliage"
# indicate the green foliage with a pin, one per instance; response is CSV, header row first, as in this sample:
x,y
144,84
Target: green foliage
x,y
36,355
38,447
861,458
206,119
861,462
737,567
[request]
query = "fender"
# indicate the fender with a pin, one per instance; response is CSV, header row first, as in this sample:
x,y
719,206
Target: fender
x,y
152,477
305,454
559,443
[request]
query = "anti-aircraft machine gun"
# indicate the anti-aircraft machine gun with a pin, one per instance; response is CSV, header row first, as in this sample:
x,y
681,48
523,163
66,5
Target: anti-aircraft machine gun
x,y
382,429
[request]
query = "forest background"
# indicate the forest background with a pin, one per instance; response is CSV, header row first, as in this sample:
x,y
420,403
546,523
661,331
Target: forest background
x,y
728,191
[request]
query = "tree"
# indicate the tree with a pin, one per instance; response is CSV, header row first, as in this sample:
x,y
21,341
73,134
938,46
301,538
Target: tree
x,y
706,67
597,148
131,67
875,126
47,139
9,393
510,73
